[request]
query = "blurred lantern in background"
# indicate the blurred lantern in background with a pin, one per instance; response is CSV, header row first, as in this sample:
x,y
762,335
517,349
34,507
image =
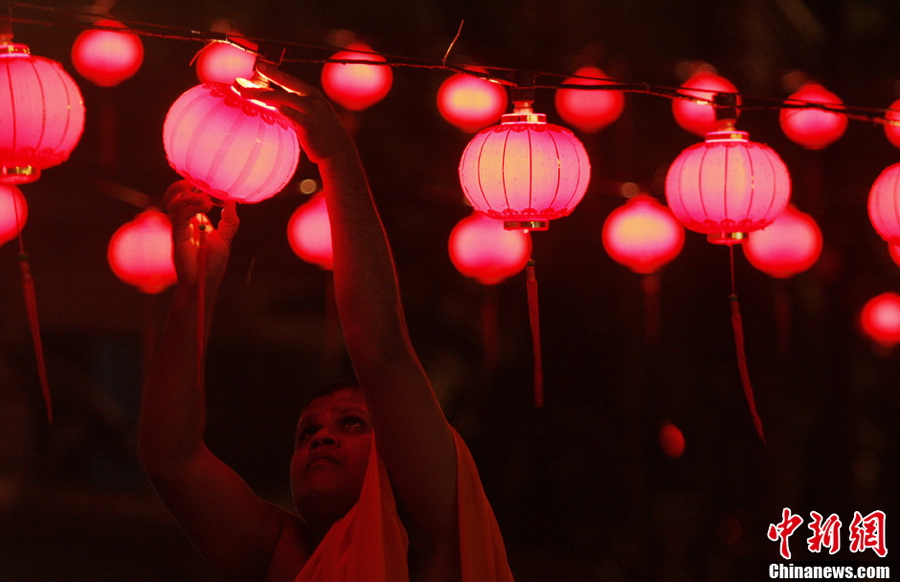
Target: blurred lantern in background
x,y
642,235
228,146
470,102
357,86
140,252
812,127
790,245
223,62
894,250
480,248
671,440
695,117
41,114
107,57
589,110
880,319
13,212
892,128
884,204
309,233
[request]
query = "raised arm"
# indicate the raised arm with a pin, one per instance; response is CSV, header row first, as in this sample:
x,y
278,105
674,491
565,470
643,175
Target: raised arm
x,y
231,527
413,436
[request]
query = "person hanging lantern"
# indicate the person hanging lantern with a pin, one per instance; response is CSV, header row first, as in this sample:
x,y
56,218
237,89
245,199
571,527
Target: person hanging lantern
x,y
481,249
470,102
107,57
693,115
790,245
223,62
524,171
589,110
140,252
884,204
812,127
309,233
13,213
357,86
228,146
41,113
880,319
642,235
727,185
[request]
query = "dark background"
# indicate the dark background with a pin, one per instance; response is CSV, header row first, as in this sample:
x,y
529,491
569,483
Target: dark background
x,y
581,487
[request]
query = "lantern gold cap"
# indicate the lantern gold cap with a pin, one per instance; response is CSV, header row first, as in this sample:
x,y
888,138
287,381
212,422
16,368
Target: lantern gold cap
x,y
726,238
526,225
19,174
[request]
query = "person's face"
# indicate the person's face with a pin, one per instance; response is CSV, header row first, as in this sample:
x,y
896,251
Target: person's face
x,y
331,451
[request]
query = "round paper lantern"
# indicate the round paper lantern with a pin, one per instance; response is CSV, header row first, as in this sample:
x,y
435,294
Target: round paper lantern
x,y
228,146
880,319
309,233
13,212
589,110
727,186
700,118
480,248
671,440
812,128
107,57
894,250
41,114
524,171
642,234
892,130
470,102
884,204
140,252
223,62
790,245
357,86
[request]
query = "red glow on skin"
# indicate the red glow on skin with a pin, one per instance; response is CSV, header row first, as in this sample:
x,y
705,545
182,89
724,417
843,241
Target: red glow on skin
x,y
357,86
643,235
790,245
589,111
813,128
13,213
471,103
671,440
107,57
309,233
700,118
222,62
140,252
482,249
884,204
880,319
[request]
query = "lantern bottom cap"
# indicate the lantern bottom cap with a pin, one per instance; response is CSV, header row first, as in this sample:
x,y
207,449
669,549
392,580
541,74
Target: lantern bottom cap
x,y
19,174
526,225
726,238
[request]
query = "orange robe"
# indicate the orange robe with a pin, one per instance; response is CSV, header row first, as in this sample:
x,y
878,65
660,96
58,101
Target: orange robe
x,y
370,544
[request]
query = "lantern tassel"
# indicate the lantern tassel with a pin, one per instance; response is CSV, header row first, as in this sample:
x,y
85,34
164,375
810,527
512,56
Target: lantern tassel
x,y
31,307
534,318
737,324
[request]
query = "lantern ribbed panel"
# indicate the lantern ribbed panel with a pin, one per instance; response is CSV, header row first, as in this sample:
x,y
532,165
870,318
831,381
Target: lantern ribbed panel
x,y
884,204
41,113
727,184
524,171
140,252
228,146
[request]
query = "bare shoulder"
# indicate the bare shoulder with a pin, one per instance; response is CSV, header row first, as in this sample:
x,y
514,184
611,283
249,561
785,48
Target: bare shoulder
x,y
292,551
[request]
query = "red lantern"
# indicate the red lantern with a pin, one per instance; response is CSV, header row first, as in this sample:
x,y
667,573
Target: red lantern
x,y
107,57
357,86
228,146
695,117
589,110
884,204
223,62
727,186
470,102
482,249
642,234
41,114
880,319
671,440
524,171
811,127
140,252
13,212
892,128
894,250
790,245
309,233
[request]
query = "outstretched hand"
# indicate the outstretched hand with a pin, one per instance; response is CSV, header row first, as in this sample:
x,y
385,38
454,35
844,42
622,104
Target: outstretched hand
x,y
187,210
